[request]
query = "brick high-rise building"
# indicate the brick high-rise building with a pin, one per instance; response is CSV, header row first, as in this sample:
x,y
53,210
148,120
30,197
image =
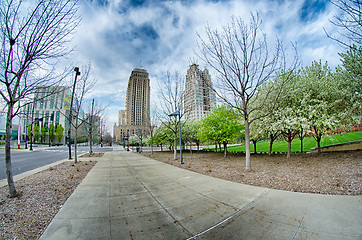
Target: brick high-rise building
x,y
199,97
136,118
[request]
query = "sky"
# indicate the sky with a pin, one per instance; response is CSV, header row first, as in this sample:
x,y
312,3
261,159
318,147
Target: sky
x,y
116,36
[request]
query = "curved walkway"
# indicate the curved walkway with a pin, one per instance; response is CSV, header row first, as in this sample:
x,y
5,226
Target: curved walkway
x,y
129,196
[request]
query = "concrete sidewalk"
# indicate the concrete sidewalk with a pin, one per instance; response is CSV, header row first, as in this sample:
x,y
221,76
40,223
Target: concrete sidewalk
x,y
129,196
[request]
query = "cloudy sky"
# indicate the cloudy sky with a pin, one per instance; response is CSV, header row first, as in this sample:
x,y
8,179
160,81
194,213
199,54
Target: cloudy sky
x,y
116,36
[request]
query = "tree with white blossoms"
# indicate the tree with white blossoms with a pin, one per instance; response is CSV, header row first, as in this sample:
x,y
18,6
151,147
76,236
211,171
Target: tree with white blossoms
x,y
349,78
320,99
267,128
289,113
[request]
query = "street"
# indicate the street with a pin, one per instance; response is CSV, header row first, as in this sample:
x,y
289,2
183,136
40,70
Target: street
x,y
25,160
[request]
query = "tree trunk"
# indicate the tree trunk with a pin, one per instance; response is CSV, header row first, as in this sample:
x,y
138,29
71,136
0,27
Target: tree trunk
x,y
190,148
247,147
225,149
198,146
91,129
9,170
289,148
319,144
254,142
215,147
175,147
75,140
151,144
219,146
161,147
318,137
271,144
290,139
301,137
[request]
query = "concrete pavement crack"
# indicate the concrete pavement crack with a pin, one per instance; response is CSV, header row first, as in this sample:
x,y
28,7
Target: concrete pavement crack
x,y
301,221
231,216
175,220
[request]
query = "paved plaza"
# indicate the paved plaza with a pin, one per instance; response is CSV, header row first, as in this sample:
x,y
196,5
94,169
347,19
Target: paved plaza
x,y
129,196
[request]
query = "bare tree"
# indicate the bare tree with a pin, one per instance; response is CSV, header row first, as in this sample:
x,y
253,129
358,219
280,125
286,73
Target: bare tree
x,y
349,22
151,128
33,38
84,85
92,120
241,57
171,92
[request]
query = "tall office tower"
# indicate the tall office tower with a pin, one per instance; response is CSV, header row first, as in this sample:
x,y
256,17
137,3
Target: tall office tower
x,y
199,97
138,98
136,118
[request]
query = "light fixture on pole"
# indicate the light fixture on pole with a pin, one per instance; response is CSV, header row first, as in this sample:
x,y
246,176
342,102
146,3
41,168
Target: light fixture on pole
x,y
177,113
77,73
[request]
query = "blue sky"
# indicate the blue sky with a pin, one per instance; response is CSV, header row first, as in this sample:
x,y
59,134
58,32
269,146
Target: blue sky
x,y
116,36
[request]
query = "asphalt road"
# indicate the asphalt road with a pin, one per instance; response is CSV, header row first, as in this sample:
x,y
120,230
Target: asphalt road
x,y
25,160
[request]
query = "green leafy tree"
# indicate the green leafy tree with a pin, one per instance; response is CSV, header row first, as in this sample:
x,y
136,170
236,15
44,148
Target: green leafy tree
x,y
221,125
36,132
190,133
43,133
59,132
29,131
52,132
163,136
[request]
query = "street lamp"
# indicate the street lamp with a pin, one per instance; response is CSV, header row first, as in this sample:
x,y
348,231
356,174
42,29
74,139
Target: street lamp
x,y
77,73
177,113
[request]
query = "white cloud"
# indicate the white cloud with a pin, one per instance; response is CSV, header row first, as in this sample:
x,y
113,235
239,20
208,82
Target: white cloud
x,y
162,34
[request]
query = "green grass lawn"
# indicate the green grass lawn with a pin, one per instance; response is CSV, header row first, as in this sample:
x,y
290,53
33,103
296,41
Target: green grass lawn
x,y
308,143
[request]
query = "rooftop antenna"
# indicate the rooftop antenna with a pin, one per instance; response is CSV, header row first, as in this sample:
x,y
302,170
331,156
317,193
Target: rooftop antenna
x,y
140,64
192,61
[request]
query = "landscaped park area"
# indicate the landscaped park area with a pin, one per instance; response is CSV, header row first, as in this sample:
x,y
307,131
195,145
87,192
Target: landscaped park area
x,y
326,173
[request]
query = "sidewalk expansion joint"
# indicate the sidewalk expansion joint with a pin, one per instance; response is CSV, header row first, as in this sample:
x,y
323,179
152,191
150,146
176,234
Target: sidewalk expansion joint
x,y
175,220
301,221
231,216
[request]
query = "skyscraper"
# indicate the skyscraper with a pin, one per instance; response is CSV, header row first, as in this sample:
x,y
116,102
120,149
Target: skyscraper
x,y
136,118
199,97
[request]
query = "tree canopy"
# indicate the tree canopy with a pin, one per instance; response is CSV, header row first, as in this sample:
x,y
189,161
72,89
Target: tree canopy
x,y
221,125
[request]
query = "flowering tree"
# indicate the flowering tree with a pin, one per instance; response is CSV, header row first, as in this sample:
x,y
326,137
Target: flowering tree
x,y
320,102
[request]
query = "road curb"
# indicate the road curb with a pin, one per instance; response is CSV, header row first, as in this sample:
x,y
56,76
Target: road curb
x,y
18,177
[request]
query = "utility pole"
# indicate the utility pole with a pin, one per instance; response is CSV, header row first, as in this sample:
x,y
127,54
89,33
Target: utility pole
x,y
77,73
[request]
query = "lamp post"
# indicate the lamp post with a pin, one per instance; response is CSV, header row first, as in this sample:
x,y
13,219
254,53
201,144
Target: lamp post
x,y
31,128
77,73
177,113
138,132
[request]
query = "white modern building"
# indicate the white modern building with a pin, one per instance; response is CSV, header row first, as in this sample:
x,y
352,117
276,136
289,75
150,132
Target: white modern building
x,y
199,98
50,105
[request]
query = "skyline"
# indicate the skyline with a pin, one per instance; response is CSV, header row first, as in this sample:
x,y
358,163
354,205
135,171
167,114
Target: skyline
x,y
117,36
